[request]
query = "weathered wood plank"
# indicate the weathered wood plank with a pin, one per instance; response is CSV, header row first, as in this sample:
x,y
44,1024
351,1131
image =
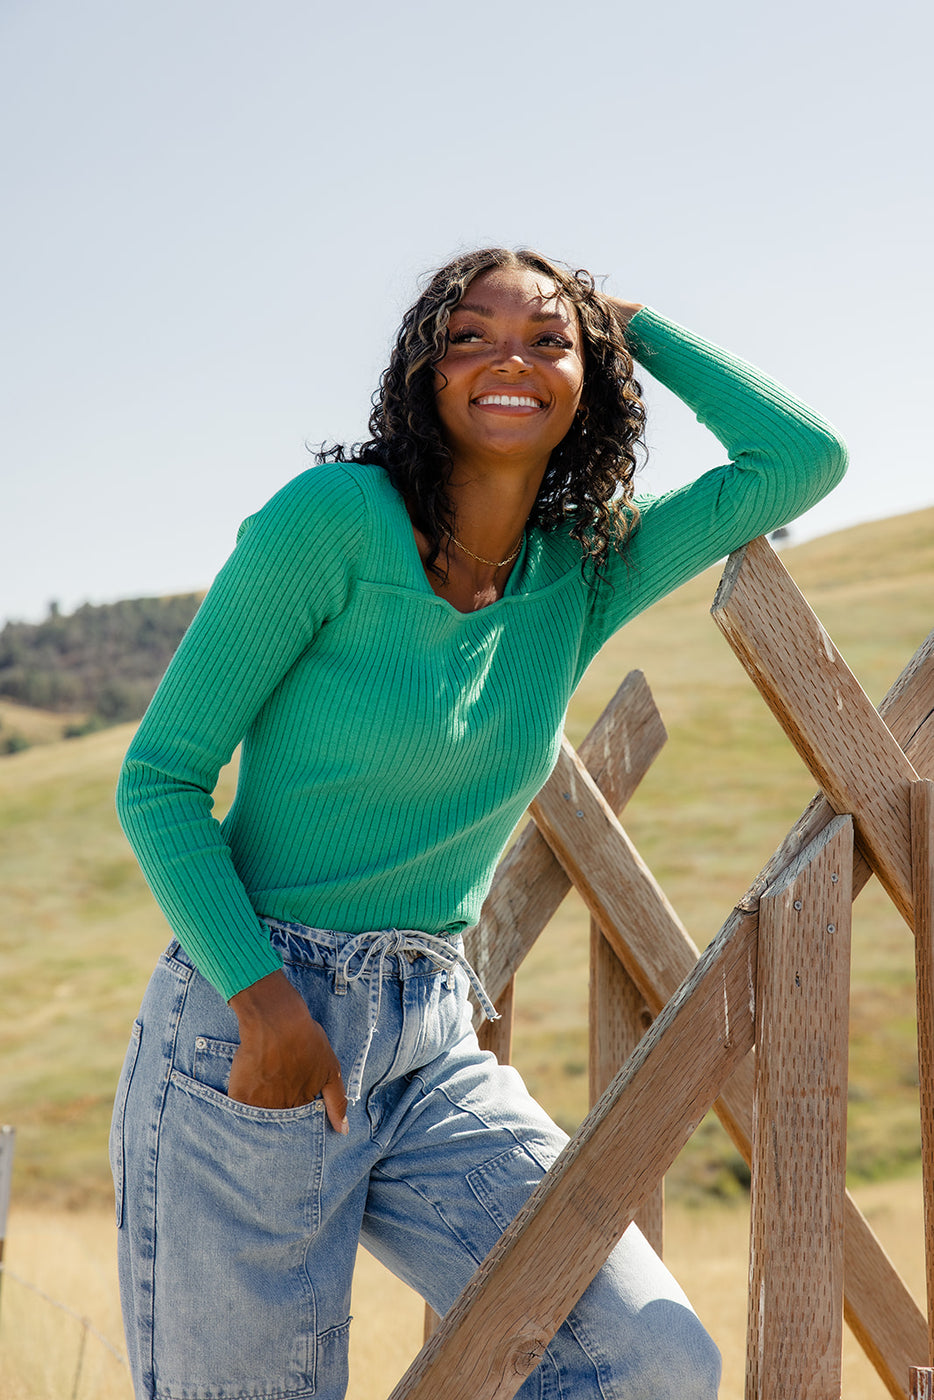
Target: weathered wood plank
x,y
619,1018
529,883
795,1332
822,708
616,885
497,1035
498,1329
922,845
878,1307
921,1383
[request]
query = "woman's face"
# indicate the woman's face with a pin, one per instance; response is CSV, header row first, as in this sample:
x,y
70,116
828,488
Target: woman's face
x,y
510,381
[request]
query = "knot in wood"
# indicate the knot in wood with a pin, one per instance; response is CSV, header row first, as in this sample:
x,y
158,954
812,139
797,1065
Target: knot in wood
x,y
527,1352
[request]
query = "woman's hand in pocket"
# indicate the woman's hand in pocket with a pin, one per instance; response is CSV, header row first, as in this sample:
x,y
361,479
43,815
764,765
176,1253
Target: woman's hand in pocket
x,y
284,1058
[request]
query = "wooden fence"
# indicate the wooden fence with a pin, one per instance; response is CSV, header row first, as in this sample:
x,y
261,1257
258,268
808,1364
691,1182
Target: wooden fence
x,y
775,978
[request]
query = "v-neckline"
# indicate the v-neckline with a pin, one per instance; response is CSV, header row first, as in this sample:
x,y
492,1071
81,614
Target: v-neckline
x,y
415,560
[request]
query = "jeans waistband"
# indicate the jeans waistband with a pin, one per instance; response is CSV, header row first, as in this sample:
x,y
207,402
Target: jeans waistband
x,y
377,945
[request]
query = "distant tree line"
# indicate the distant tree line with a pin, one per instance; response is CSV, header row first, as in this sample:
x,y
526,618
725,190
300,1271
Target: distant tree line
x,y
103,661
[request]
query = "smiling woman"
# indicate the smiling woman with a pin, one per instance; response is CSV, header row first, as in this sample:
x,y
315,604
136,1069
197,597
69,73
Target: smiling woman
x,y
394,641
566,331
510,382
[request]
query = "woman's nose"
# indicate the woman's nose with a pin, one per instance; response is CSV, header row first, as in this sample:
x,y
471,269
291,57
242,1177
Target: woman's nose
x,y
510,357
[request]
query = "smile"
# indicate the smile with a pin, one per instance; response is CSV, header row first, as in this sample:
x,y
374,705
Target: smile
x,y
508,401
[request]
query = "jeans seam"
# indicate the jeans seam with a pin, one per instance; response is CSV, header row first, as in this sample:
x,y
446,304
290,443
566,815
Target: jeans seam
x,y
169,1044
490,1127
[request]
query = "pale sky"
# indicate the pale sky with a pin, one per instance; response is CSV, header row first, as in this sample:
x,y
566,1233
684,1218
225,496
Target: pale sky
x,y
216,211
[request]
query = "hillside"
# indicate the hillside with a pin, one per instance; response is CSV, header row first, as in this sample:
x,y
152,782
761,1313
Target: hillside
x,y
96,666
79,931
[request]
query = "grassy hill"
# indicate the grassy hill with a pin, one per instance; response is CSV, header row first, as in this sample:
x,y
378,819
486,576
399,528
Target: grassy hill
x,y
96,666
79,931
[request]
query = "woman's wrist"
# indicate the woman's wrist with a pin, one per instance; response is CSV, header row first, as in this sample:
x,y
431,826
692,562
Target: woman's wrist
x,y
268,999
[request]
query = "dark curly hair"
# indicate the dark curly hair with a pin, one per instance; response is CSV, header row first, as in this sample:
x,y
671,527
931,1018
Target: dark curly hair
x,y
589,479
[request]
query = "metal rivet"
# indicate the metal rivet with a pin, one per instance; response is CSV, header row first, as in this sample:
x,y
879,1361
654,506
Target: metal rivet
x,y
797,904
831,928
579,812
834,878
201,1043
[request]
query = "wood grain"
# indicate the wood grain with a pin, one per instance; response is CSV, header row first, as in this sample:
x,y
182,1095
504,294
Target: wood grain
x,y
619,1018
921,1383
922,843
878,1307
822,708
795,1333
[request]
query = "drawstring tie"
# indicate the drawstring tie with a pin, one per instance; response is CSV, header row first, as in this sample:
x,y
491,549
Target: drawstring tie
x,y
377,947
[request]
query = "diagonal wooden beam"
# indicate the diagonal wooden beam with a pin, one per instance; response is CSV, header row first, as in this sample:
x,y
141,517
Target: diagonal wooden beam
x,y
822,708
614,882
498,1329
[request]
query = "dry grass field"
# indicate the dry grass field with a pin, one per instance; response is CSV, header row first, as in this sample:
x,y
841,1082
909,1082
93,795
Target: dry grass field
x,y
70,1255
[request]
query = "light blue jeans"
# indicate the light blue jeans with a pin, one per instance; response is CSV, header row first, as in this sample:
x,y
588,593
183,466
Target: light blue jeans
x,y
239,1225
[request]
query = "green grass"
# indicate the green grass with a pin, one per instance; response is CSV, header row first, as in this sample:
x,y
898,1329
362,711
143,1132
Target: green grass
x,y
79,931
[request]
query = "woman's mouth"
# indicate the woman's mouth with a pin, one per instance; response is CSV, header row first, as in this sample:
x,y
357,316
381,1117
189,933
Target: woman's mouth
x,y
507,401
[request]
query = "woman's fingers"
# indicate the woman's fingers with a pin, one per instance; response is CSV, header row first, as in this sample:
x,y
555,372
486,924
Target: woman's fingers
x,y
335,1102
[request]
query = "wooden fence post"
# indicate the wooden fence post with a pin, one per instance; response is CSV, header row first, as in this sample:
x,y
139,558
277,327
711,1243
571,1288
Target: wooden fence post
x,y
619,1017
795,1333
922,851
920,1383
7,1143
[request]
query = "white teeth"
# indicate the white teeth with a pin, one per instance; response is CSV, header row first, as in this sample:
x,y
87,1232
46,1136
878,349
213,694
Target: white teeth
x,y
510,400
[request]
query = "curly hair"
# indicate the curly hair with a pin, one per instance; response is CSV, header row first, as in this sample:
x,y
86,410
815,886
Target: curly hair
x,y
588,483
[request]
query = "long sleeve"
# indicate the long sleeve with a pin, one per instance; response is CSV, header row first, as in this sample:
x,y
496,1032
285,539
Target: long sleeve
x,y
390,742
783,459
289,573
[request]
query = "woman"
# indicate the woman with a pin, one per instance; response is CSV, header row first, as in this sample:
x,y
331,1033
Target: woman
x,y
395,641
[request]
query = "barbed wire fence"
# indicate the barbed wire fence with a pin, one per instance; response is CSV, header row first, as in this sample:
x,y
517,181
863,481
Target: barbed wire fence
x,y
7,1143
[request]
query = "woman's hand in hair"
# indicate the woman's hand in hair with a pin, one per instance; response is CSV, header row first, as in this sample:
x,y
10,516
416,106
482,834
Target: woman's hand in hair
x,y
624,310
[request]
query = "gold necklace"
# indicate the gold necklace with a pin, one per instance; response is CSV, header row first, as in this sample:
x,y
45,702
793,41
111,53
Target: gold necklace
x,y
493,563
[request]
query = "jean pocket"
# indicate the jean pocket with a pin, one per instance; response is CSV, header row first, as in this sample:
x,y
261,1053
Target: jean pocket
x,y
212,1060
249,1112
118,1122
502,1186
239,1192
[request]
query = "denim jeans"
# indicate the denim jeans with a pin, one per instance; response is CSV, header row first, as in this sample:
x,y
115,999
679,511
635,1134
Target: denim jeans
x,y
239,1225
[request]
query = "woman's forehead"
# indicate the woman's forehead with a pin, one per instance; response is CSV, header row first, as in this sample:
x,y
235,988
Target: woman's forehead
x,y
520,288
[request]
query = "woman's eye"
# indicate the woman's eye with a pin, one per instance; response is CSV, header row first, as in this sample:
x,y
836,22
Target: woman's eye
x,y
555,340
464,337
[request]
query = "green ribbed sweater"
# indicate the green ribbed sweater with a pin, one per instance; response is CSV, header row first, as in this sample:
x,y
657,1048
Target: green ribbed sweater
x,y
391,743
